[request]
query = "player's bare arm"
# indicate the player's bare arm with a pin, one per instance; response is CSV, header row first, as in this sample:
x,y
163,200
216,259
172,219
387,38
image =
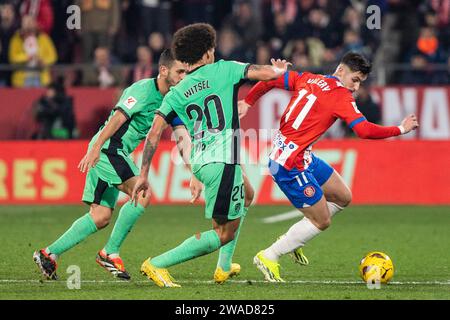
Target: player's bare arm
x,y
266,72
93,155
184,145
151,143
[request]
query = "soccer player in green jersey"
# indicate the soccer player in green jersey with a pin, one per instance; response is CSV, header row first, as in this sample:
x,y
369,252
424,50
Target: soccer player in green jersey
x,y
110,170
206,102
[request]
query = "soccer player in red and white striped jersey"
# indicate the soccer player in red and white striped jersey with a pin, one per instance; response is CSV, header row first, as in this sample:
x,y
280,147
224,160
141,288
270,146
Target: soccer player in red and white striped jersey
x,y
310,183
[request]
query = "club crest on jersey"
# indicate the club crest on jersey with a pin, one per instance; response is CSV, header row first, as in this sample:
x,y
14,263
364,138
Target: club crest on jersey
x,y
309,191
130,102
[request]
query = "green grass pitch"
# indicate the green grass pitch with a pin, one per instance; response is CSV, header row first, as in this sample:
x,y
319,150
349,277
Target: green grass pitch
x,y
416,238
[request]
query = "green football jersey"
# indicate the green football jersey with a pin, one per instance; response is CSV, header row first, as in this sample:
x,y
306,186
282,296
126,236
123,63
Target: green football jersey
x,y
138,103
206,102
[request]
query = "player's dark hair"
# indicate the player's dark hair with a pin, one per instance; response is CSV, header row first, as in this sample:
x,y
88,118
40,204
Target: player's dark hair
x,y
166,58
190,43
357,62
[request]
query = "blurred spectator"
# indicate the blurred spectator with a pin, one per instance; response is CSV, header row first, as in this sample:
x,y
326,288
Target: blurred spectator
x,y
368,108
99,24
280,34
157,45
155,17
263,54
64,39
228,46
128,35
419,73
320,27
144,66
54,115
352,19
288,8
33,49
352,42
41,10
8,25
243,21
428,45
316,52
101,73
440,10
198,11
300,61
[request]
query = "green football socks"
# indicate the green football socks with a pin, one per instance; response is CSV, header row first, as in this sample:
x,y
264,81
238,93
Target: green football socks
x,y
127,218
80,230
226,252
193,247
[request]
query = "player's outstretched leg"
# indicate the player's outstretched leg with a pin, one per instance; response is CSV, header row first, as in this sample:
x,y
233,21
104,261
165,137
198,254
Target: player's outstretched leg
x,y
317,218
225,268
109,257
198,245
193,247
80,230
297,255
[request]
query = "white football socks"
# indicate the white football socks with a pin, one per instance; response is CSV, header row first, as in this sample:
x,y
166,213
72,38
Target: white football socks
x,y
333,208
296,237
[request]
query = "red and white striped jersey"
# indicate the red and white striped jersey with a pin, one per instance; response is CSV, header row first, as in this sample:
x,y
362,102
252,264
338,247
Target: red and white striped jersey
x,y
316,103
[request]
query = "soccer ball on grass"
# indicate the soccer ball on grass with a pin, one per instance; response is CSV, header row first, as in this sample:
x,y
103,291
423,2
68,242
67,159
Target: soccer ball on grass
x,y
376,267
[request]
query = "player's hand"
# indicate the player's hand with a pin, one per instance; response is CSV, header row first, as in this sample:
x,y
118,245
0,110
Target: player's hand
x,y
410,123
242,108
142,185
196,189
280,66
89,160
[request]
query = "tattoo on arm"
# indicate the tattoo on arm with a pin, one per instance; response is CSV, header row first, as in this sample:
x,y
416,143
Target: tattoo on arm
x,y
255,67
147,155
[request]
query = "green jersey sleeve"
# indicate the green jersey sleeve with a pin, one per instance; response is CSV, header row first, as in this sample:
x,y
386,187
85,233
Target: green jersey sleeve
x,y
166,109
236,70
131,102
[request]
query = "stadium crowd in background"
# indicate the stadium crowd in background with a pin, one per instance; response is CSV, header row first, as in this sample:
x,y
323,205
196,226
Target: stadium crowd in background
x,y
313,34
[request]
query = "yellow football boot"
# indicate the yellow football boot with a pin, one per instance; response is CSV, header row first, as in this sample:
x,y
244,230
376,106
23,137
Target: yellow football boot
x,y
297,255
269,268
160,276
221,276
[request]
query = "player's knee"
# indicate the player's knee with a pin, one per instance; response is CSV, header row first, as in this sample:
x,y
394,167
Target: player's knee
x,y
101,216
225,237
101,221
346,198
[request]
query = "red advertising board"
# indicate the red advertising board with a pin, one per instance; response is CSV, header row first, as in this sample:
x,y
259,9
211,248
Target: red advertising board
x,y
378,172
92,106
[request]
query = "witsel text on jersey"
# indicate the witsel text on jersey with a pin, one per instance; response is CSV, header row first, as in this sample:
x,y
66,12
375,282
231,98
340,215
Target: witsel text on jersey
x,y
197,87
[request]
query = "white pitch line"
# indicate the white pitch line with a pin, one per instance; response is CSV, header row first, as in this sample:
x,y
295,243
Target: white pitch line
x,y
337,282
283,216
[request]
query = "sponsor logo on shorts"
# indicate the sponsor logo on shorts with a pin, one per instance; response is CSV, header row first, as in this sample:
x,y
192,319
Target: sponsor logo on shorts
x,y
309,191
130,102
237,207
